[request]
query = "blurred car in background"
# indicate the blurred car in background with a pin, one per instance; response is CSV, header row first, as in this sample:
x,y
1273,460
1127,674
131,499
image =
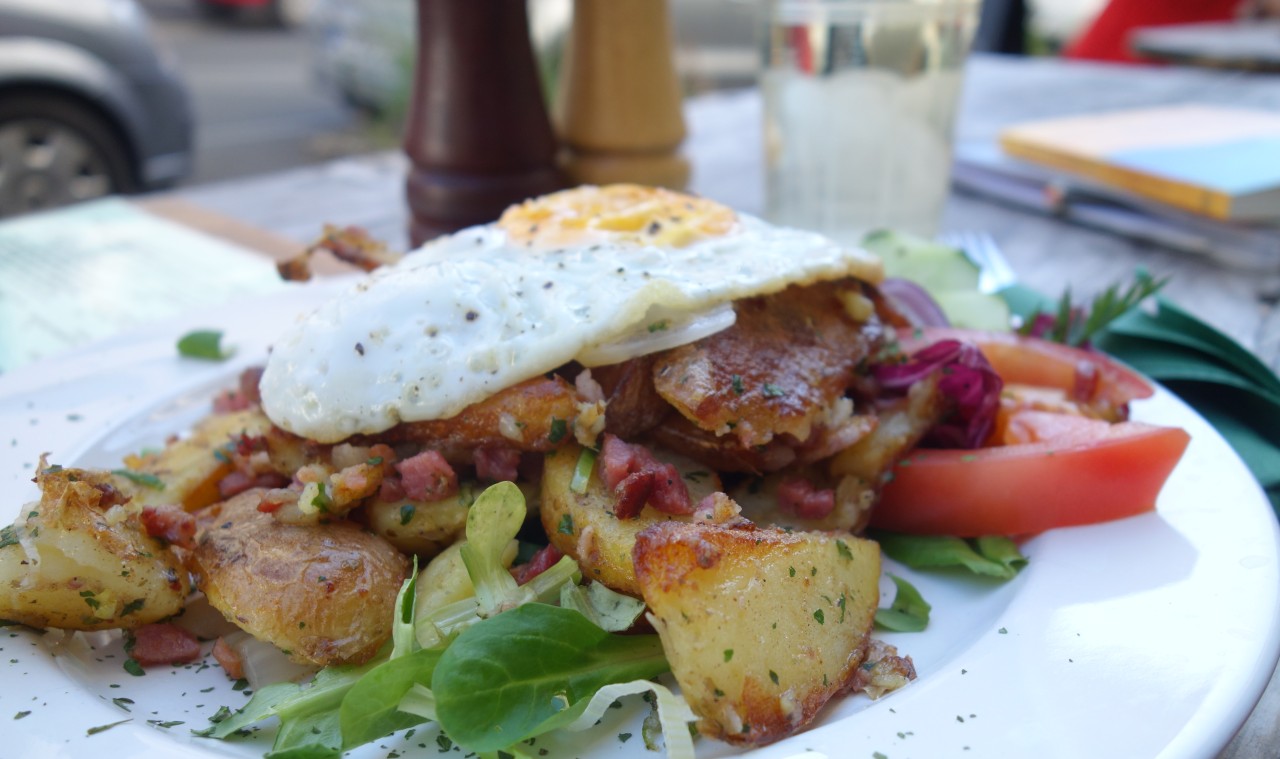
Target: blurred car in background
x,y
87,105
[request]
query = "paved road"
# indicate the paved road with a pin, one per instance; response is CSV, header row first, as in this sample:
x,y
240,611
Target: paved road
x,y
257,107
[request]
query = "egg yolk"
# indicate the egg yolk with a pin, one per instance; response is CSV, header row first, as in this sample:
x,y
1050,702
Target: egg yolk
x,y
619,213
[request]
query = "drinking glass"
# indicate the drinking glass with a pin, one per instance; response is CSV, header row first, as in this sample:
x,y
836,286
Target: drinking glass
x,y
859,101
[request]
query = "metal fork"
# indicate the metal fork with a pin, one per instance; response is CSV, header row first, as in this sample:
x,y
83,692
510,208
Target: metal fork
x,y
980,248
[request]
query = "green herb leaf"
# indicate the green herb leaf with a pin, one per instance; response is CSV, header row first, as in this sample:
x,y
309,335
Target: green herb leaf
x,y
104,728
140,478
990,556
566,525
370,710
559,428
8,536
607,609
491,694
132,666
492,522
909,612
205,344
406,513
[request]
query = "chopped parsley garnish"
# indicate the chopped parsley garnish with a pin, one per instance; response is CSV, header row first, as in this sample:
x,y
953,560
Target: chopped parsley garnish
x,y
818,615
728,654
90,600
8,537
20,715
203,343
374,461
134,605
566,525
132,666
737,384
140,478
658,326
773,391
406,513
122,702
559,428
843,548
104,728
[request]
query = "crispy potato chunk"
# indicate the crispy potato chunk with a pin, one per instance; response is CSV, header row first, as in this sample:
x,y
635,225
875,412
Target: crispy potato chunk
x,y
424,528
761,627
80,560
323,593
582,525
189,469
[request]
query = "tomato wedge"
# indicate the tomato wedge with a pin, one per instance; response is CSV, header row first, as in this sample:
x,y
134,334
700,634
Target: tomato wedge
x,y
1085,376
1078,471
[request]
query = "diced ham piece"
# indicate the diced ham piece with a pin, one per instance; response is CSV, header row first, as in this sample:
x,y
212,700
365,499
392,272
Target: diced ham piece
x,y
798,496
171,524
541,562
229,659
164,643
391,490
237,482
249,380
497,464
427,477
636,478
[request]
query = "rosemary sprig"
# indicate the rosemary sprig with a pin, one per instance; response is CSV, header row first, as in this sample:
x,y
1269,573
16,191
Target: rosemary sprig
x,y
1074,327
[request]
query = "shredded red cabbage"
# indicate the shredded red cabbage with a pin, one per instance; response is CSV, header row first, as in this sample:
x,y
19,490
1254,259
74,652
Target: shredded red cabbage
x,y
967,379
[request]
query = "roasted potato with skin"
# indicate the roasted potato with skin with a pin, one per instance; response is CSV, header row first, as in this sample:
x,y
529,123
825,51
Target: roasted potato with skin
x,y
323,594
761,627
80,559
582,525
189,469
424,528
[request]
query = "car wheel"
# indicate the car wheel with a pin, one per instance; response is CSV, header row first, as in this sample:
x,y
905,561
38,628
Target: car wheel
x,y
54,151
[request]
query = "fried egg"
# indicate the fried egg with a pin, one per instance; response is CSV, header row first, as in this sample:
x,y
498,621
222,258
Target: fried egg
x,y
593,274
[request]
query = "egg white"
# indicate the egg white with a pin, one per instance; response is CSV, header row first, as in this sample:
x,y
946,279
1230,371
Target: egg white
x,y
471,314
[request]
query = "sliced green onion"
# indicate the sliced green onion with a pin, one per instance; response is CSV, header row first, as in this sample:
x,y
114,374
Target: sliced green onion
x,y
582,472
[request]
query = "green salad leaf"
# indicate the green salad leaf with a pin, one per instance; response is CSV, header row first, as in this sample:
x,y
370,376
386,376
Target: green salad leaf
x,y
909,612
992,556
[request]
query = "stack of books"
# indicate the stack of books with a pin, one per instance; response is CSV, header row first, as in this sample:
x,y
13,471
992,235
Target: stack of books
x,y
1205,179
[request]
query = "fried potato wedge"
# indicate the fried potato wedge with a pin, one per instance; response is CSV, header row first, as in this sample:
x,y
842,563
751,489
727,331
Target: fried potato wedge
x,y
188,470
583,526
424,528
79,559
761,627
322,593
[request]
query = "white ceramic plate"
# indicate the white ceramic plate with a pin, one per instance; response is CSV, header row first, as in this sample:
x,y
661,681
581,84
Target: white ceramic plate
x,y
1150,636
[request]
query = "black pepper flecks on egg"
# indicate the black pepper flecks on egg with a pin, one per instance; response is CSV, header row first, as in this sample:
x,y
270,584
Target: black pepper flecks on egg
x,y
547,285
360,349
472,316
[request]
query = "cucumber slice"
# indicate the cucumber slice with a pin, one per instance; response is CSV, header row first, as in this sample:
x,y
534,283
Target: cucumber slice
x,y
945,272
935,267
974,310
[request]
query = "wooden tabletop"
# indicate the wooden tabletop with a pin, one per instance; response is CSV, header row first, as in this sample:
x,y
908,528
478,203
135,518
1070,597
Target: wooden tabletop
x,y
1047,254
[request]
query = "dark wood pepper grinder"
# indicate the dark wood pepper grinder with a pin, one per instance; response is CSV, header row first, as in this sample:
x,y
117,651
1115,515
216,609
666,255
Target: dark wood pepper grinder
x,y
478,135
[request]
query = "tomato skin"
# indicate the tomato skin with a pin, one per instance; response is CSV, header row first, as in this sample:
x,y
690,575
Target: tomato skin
x,y
1085,376
1093,472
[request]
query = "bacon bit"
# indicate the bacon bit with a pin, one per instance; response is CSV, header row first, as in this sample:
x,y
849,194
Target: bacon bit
x,y
237,482
171,524
427,477
632,494
636,477
229,402
391,490
246,445
497,464
541,562
164,643
798,496
229,659
275,498
111,496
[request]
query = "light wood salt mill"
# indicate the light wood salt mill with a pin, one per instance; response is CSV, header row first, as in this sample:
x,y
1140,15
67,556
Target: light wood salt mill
x,y
619,104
